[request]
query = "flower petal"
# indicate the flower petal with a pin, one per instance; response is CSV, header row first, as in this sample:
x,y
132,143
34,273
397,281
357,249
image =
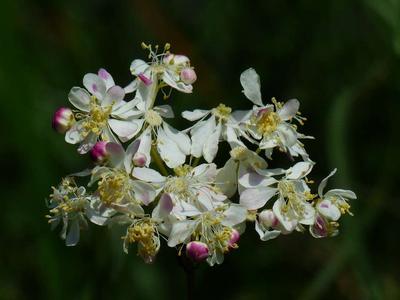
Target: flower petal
x,y
200,132
181,232
94,85
79,98
195,115
107,78
180,138
169,150
289,109
113,96
256,198
124,129
148,175
138,66
210,147
251,86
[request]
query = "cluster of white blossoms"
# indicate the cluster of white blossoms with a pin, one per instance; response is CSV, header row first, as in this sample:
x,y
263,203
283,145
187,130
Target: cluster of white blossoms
x,y
164,184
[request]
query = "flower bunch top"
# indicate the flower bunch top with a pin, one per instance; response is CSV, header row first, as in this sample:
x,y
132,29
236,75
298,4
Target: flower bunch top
x,y
164,184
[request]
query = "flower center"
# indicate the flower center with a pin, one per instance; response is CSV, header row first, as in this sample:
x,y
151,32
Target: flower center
x,y
238,153
153,118
113,187
177,185
268,122
97,119
222,112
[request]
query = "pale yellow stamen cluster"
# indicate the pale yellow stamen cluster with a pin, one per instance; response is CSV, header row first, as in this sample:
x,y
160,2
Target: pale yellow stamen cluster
x,y
222,112
268,122
183,170
97,119
143,233
178,186
113,187
238,153
295,200
153,118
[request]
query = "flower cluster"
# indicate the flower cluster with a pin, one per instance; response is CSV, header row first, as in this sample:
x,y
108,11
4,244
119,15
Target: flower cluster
x,y
164,184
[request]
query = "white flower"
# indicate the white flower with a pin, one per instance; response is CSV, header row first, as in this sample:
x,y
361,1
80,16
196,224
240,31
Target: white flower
x,y
101,110
292,206
269,123
191,190
173,70
333,203
222,124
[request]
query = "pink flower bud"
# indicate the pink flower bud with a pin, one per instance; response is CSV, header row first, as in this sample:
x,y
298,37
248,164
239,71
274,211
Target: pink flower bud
x,y
197,251
235,236
99,152
319,229
139,159
268,218
63,119
188,75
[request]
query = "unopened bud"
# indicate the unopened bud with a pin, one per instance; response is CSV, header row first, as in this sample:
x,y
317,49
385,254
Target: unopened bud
x,y
63,119
99,152
139,159
235,236
188,75
268,218
197,251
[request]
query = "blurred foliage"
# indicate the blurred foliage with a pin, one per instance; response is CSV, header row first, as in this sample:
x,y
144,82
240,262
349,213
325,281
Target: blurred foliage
x,y
339,57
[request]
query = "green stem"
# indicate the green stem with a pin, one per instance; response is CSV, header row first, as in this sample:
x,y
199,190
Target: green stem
x,y
159,162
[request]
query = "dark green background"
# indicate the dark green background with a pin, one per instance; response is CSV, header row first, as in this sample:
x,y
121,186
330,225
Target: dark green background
x,y
340,58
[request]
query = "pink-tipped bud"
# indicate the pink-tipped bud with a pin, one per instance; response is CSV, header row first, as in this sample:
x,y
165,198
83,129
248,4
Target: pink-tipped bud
x,y
188,75
99,152
197,251
139,159
268,218
63,119
235,236
147,81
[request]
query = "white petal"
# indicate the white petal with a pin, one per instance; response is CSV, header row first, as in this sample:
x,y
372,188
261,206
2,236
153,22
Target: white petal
x,y
251,86
328,210
289,109
124,129
130,152
169,150
133,86
226,179
266,235
117,154
168,78
72,237
181,139
299,170
195,115
210,147
145,145
138,66
144,192
324,182
113,96
256,198
347,194
125,108
87,144
200,132
165,111
253,179
148,175
234,215
73,135
79,98
181,232
107,78
94,85
287,134
287,223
